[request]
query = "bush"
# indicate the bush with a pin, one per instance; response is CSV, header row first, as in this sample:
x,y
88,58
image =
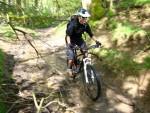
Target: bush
x,y
146,63
1,63
119,62
2,106
97,11
125,30
132,3
110,13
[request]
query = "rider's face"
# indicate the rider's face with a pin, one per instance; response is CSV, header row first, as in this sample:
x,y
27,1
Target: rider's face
x,y
82,20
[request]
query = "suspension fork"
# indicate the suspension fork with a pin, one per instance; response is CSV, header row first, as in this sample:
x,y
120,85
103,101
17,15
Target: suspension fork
x,y
86,61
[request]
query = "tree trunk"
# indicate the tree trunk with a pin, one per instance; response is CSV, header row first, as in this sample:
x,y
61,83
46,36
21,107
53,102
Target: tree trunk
x,y
86,3
111,4
18,2
9,2
36,3
24,3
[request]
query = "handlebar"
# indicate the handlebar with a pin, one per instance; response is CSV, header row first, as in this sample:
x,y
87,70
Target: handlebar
x,y
94,46
90,47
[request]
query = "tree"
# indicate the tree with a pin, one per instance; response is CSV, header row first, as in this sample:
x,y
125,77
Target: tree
x,y
86,4
9,2
24,3
36,3
97,10
18,3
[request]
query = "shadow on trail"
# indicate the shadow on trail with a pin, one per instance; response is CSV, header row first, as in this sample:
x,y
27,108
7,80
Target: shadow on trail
x,y
8,89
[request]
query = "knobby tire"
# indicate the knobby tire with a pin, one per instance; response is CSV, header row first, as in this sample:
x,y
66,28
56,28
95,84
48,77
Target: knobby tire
x,y
93,94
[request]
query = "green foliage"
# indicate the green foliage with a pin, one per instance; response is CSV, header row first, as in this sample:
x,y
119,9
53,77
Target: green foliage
x,y
110,13
148,33
141,2
32,21
124,30
146,63
97,11
119,62
132,3
112,24
39,22
7,32
94,23
2,106
1,63
4,8
41,15
68,7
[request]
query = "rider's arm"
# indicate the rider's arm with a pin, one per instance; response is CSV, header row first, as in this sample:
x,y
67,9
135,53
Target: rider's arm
x,y
93,38
69,32
67,39
88,30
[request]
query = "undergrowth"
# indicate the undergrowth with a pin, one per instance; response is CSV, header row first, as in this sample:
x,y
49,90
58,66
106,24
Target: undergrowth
x,y
2,105
125,30
7,33
122,63
132,3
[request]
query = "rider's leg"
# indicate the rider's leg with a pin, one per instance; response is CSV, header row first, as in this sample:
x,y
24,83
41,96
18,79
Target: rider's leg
x,y
70,56
69,63
69,70
84,49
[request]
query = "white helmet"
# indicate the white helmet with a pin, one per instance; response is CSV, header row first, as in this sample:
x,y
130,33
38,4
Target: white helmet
x,y
83,12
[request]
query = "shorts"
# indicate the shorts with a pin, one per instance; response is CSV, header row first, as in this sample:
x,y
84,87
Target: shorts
x,y
70,54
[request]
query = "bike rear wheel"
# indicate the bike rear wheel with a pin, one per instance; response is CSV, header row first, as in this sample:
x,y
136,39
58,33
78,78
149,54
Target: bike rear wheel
x,y
93,86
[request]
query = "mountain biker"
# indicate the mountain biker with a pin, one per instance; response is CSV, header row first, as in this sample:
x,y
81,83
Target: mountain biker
x,y
74,31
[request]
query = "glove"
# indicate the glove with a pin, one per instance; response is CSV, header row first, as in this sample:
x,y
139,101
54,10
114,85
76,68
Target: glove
x,y
98,43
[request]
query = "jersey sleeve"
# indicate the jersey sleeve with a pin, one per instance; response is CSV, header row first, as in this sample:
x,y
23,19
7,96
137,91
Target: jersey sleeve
x,y
88,30
70,29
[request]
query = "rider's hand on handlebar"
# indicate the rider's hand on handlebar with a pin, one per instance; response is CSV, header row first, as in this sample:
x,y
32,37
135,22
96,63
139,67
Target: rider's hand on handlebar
x,y
98,43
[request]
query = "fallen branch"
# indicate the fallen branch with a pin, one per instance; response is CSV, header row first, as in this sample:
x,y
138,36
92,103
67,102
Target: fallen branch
x,y
60,104
38,107
25,36
13,30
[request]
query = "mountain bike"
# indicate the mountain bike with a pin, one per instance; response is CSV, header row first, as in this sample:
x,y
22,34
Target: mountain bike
x,y
83,63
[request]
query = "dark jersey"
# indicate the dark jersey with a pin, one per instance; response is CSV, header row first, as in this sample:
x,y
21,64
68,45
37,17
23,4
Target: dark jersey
x,y
75,31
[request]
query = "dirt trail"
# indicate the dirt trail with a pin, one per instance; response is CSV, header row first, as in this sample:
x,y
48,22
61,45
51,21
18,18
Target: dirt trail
x,y
47,74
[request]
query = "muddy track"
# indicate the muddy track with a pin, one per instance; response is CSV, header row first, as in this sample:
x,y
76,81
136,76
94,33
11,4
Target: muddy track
x,y
46,77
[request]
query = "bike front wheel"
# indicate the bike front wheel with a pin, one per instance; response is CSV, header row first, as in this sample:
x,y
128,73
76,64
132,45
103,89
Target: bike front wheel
x,y
92,84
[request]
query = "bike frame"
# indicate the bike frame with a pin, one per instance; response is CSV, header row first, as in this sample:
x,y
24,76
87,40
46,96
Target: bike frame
x,y
90,79
85,61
